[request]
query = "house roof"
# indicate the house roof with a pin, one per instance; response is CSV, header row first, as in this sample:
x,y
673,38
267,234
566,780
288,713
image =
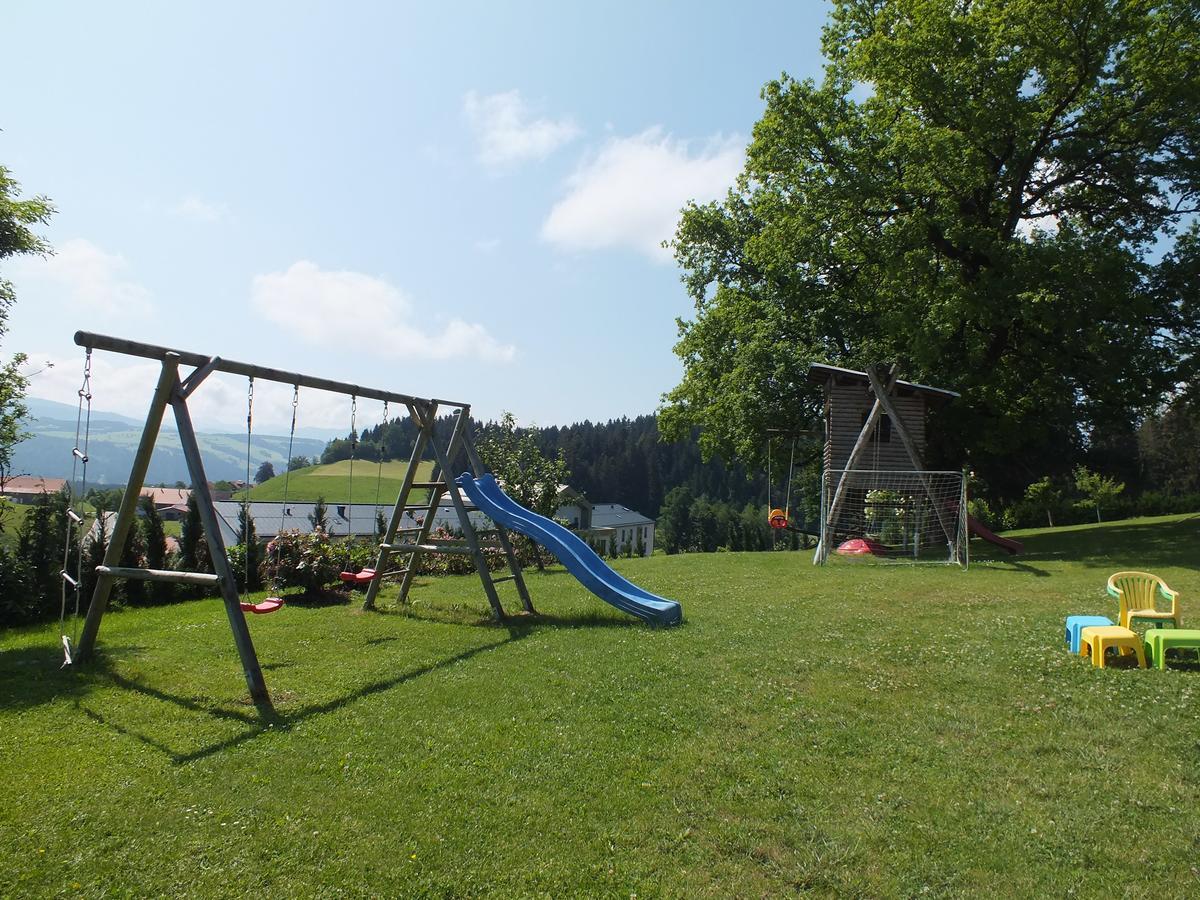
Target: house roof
x,y
357,520
33,484
614,515
164,496
819,373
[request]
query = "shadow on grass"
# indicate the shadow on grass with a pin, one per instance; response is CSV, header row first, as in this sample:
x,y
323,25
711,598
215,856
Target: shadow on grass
x,y
257,723
1136,545
521,621
30,676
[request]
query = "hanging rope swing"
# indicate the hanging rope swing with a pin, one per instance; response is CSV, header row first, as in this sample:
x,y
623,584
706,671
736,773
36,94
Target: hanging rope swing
x,y
348,575
778,518
270,604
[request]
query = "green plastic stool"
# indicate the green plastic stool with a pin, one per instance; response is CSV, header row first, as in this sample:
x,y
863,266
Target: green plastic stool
x,y
1159,640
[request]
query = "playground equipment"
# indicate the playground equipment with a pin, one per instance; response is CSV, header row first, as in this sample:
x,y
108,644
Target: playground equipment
x,y
780,518
579,559
1096,640
1136,593
270,604
1158,641
174,391
73,584
873,491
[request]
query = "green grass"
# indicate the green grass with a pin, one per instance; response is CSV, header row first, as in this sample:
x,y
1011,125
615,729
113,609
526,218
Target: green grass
x,y
333,483
13,516
854,730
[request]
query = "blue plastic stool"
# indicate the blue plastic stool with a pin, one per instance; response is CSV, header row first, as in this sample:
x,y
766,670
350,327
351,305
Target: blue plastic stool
x,y
1075,624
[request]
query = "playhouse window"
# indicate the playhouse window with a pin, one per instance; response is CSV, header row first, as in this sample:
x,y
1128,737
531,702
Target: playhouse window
x,y
883,432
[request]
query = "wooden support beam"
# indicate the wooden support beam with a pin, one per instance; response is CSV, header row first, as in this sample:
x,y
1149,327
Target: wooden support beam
x,y
883,400
167,575
461,549
168,376
264,373
860,446
401,507
444,458
478,468
220,559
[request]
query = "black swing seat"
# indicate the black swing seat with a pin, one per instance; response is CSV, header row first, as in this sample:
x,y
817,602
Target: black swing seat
x,y
263,607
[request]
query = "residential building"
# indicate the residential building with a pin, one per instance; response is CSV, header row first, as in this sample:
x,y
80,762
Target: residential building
x,y
26,489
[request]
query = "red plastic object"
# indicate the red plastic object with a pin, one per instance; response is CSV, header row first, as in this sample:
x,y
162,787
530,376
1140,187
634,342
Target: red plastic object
x,y
266,606
980,530
862,547
364,577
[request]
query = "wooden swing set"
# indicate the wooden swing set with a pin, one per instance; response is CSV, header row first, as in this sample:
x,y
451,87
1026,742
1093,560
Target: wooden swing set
x,y
404,545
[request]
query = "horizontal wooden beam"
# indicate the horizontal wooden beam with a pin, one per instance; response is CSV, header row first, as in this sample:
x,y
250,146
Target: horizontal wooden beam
x,y
265,373
431,548
158,575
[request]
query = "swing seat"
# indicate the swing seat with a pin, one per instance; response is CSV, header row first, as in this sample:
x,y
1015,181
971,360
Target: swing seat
x,y
262,608
366,576
777,519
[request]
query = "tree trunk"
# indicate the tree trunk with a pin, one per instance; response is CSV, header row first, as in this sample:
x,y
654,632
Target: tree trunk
x,y
1049,518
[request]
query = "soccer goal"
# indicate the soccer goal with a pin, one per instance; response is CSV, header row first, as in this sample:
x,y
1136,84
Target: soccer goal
x,y
913,515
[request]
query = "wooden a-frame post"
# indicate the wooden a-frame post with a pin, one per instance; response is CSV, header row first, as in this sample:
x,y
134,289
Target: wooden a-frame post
x,y
882,387
424,415
171,390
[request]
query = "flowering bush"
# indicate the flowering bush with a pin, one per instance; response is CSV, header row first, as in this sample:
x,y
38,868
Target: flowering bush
x,y
296,559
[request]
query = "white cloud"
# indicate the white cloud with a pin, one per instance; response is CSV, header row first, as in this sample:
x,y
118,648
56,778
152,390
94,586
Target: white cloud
x,y
508,132
200,210
87,277
630,193
368,313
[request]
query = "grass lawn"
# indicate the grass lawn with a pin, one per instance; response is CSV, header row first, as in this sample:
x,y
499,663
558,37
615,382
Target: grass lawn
x,y
858,729
12,515
333,483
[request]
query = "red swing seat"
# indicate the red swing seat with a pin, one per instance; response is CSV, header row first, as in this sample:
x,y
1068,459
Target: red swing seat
x,y
262,608
366,576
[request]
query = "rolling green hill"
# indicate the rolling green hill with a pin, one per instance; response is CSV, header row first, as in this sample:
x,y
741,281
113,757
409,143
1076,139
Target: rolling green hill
x,y
333,483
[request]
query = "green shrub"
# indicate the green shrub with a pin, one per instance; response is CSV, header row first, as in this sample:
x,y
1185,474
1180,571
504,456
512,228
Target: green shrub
x,y
304,560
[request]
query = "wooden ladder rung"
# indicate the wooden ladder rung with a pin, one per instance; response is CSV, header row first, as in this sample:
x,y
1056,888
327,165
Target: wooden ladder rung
x,y
430,548
504,578
429,484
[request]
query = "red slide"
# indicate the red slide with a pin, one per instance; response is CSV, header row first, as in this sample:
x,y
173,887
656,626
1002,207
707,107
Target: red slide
x,y
980,530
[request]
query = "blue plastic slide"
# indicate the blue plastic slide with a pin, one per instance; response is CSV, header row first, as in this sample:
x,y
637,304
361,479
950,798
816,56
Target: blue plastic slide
x,y
580,559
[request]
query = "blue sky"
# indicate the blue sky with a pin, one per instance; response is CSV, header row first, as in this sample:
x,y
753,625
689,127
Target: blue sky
x,y
459,201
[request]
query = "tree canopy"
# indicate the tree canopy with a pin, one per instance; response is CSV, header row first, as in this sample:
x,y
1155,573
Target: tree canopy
x,y
1000,195
16,237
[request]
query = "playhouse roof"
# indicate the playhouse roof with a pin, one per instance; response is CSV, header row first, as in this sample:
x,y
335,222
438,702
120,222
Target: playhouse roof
x,y
820,373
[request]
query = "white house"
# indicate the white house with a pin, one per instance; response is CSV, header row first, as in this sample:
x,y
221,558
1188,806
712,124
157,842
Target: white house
x,y
343,520
606,524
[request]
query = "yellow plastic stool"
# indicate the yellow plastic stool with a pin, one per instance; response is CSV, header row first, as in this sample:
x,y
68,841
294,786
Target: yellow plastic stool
x,y
1096,639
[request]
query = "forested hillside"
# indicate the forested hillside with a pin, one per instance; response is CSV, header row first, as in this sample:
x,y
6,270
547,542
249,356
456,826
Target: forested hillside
x,y
621,461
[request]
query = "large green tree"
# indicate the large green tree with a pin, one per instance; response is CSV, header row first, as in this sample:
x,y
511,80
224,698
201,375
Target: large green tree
x,y
16,237
996,194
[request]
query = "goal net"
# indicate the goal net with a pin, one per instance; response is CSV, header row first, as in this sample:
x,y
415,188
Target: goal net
x,y
914,515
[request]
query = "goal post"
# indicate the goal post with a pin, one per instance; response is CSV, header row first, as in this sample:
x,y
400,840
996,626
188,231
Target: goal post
x,y
910,515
